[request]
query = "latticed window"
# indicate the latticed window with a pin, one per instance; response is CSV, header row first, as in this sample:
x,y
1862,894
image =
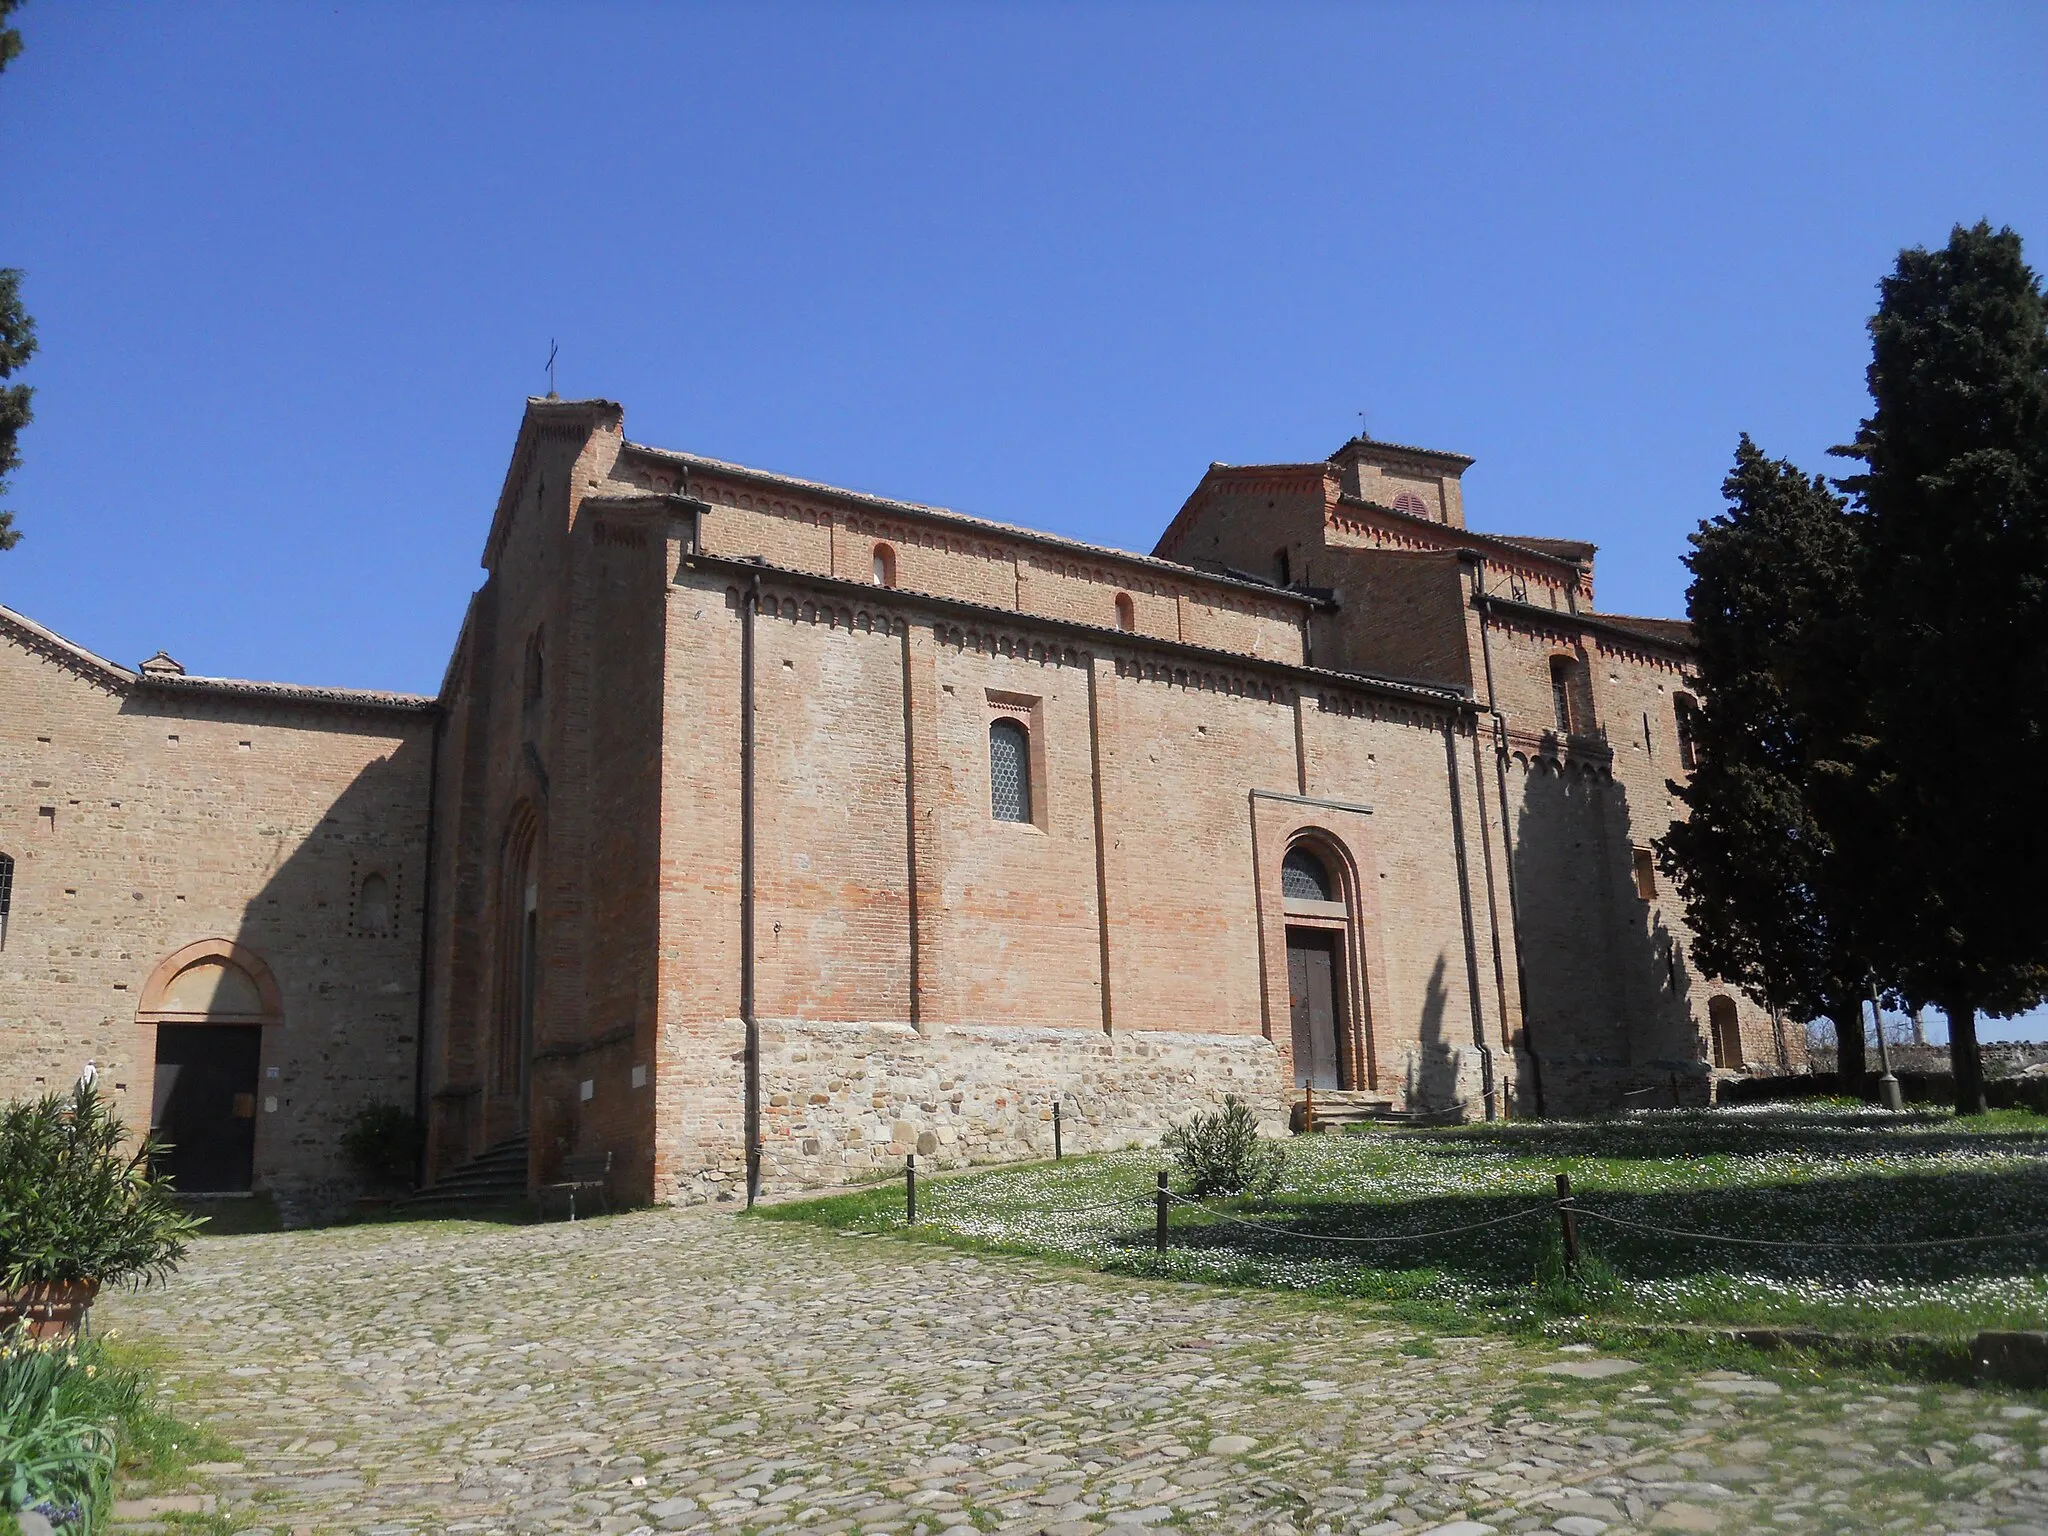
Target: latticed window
x,y
1304,877
1009,771
6,894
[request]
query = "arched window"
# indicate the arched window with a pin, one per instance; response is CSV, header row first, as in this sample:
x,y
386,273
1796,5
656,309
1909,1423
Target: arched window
x,y
1009,771
1563,676
1686,709
1726,1030
373,907
885,566
1304,877
1126,612
6,894
1412,504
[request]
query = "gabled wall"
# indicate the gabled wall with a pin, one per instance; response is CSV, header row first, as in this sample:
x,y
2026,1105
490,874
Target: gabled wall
x,y
144,818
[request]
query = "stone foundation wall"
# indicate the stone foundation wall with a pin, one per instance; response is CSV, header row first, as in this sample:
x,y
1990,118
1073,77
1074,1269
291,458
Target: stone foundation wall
x,y
1584,1087
843,1102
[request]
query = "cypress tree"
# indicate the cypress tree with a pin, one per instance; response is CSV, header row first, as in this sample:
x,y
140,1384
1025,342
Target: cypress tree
x,y
1766,876
1952,507
17,334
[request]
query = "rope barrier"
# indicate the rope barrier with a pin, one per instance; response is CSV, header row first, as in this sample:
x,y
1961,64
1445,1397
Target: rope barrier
x,y
1398,1237
1130,1203
1785,1242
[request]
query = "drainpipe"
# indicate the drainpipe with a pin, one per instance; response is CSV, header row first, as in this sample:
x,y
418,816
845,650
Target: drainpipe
x,y
1465,911
419,1056
1507,840
750,603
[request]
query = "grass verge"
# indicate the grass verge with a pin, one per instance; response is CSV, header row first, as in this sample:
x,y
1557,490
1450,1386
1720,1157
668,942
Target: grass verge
x,y
1803,1173
79,1419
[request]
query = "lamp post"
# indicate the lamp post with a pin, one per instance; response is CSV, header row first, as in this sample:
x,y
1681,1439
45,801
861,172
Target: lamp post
x,y
1887,1086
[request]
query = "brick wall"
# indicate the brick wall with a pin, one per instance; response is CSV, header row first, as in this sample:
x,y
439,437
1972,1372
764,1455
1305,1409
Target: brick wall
x,y
143,819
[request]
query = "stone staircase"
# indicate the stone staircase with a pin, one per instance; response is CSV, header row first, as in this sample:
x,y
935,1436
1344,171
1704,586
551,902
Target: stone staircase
x,y
492,1180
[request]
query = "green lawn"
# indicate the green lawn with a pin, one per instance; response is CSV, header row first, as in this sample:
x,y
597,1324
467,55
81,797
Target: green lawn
x,y
1805,1173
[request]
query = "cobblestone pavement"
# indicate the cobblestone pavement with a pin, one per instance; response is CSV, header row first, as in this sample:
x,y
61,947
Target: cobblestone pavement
x,y
689,1371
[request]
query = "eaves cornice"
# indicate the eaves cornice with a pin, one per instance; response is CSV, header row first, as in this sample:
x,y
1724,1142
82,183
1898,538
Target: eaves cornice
x,y
1102,637
719,468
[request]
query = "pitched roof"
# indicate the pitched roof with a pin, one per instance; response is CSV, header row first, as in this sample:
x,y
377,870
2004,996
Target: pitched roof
x,y
1079,547
113,675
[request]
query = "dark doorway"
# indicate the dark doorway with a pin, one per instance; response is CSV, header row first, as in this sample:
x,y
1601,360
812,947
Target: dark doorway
x,y
1313,1008
205,1104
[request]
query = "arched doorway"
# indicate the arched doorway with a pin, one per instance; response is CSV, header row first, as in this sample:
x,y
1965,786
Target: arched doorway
x,y
208,1004
1318,918
519,975
1726,1030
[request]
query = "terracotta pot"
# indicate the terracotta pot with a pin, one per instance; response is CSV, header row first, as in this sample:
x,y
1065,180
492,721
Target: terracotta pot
x,y
54,1309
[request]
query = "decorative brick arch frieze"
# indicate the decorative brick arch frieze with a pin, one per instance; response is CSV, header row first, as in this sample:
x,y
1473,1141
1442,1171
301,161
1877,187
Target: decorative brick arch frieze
x,y
1200,679
992,641
151,1009
791,607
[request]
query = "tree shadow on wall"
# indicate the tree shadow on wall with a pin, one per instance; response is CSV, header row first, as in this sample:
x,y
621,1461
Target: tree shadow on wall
x,y
1608,991
1431,1081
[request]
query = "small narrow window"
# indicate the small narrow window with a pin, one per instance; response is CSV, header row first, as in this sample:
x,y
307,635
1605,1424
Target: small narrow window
x,y
373,907
1282,568
1009,771
1561,671
6,894
1646,874
885,566
1126,612
1686,709
536,681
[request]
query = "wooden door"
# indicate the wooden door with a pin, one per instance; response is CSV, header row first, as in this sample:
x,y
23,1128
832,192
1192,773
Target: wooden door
x,y
205,1104
1314,1012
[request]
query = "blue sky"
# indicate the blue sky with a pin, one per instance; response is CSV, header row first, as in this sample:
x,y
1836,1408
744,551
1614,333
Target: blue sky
x,y
295,267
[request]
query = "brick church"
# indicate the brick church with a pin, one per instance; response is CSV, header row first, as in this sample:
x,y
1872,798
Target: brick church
x,y
765,829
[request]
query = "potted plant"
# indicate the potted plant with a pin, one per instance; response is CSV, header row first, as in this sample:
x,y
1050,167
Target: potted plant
x,y
76,1213
384,1143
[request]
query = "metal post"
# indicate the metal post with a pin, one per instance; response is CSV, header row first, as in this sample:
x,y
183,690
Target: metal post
x,y
1888,1091
910,1190
1056,1153
1308,1109
1565,1221
1159,1224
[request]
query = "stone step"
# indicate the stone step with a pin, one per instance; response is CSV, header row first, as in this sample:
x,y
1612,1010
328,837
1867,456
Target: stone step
x,y
495,1176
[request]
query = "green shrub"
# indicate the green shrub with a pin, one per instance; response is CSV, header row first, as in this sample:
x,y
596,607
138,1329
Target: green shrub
x,y
72,1207
1223,1154
384,1142
57,1429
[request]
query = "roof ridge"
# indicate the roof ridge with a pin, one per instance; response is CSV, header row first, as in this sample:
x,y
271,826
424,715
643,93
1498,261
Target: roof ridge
x,y
969,519
112,672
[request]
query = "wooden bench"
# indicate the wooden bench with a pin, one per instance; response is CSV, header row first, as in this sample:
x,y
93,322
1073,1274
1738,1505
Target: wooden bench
x,y
581,1171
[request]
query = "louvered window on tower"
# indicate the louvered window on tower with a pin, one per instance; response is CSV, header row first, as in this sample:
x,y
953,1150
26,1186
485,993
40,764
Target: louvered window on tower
x,y
1009,771
6,894
1303,877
